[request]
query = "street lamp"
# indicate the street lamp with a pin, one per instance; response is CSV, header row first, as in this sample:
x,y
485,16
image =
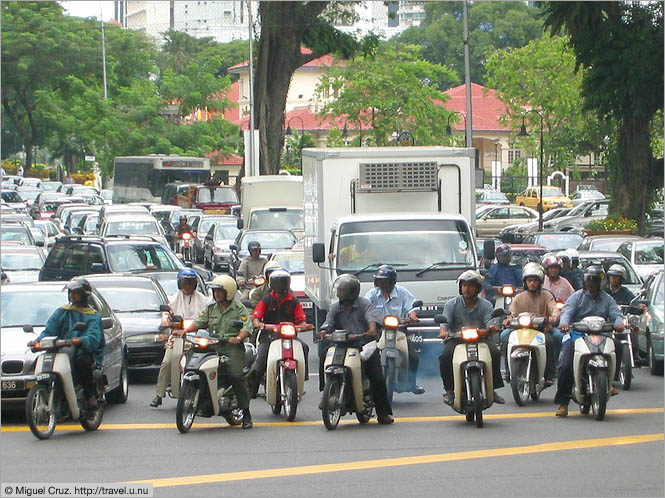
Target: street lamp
x,y
449,130
524,133
302,132
345,132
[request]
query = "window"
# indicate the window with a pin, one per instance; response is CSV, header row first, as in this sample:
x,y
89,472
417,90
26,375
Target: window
x,y
95,255
513,154
516,213
499,214
56,256
599,210
76,257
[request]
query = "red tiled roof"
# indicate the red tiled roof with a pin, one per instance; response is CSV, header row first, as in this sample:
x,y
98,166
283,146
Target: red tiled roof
x,y
302,118
227,158
486,108
324,60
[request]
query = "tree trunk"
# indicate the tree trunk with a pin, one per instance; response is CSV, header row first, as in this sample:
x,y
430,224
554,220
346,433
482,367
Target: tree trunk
x,y
28,157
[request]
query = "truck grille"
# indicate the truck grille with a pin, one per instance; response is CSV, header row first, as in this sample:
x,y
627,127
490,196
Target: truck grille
x,y
12,366
398,177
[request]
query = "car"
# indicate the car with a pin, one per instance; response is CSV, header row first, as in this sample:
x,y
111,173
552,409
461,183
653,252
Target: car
x,y
168,279
32,182
75,255
21,263
42,197
646,255
18,362
50,231
15,179
132,224
552,198
294,262
494,197
28,194
201,226
18,232
51,186
269,240
72,217
606,259
604,242
586,195
13,200
125,209
135,301
62,214
655,223
73,189
580,216
217,244
489,222
651,325
554,241
87,225
17,218
107,195
516,233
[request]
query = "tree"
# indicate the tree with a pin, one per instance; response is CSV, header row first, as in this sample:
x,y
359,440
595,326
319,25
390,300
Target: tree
x,y
285,28
620,44
390,91
492,25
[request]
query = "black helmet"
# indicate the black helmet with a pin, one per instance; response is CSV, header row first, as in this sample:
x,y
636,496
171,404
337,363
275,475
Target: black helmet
x,y
503,254
254,244
81,285
347,287
183,217
386,272
594,272
280,281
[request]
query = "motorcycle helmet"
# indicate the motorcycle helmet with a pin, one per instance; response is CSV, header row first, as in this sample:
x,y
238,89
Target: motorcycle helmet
x,y
386,272
563,256
347,287
81,285
254,244
183,217
470,276
270,267
532,270
573,254
503,254
186,274
227,283
551,261
593,272
618,271
280,280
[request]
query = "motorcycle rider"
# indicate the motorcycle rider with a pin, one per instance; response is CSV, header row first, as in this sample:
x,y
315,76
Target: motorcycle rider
x,y
250,267
278,306
574,256
502,273
467,310
554,282
590,301
568,272
262,291
216,318
188,303
180,228
90,354
357,315
616,274
532,300
392,299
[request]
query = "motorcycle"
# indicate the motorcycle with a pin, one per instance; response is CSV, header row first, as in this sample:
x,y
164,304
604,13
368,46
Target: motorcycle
x,y
594,364
346,388
472,372
527,357
285,372
505,295
206,391
185,245
54,397
630,321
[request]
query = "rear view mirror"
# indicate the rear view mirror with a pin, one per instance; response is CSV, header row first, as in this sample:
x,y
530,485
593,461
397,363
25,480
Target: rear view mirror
x,y
164,307
318,252
107,323
635,310
240,224
488,249
440,319
28,328
417,304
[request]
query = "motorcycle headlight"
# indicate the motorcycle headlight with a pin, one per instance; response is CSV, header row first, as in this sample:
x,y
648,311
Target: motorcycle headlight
x,y
288,331
391,321
525,321
507,290
470,334
146,338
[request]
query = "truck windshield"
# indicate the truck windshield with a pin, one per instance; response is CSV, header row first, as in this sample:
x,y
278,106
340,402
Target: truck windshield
x,y
274,219
413,245
216,194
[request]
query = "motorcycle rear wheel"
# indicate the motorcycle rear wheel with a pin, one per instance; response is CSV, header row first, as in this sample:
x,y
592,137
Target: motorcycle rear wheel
x,y
626,373
519,384
332,405
290,395
476,398
186,410
599,397
41,421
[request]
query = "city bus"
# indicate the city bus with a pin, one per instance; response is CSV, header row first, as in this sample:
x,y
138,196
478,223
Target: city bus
x,y
142,178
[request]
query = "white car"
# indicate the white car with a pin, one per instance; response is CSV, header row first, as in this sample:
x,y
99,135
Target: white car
x,y
115,225
646,255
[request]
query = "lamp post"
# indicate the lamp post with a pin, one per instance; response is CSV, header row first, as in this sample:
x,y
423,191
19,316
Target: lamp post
x,y
302,132
524,133
345,132
449,130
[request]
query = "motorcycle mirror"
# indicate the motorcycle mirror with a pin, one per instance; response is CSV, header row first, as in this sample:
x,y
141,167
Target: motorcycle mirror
x,y
188,264
177,318
234,247
417,304
635,310
440,319
638,303
236,324
498,312
27,328
164,307
80,326
107,323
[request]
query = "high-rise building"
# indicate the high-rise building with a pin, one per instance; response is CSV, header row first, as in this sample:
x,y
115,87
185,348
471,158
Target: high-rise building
x,y
386,20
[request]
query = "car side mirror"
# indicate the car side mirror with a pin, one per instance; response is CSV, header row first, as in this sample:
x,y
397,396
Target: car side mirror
x,y
318,252
208,237
28,328
107,323
80,326
234,247
98,268
440,319
164,307
240,224
39,243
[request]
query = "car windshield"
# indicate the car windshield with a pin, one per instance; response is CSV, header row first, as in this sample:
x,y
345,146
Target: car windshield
x,y
84,190
269,240
130,299
206,223
552,192
216,194
393,242
28,195
16,235
293,262
482,210
11,196
15,313
124,258
579,210
606,262
610,245
132,228
523,257
226,232
286,219
649,253
554,241
51,186
21,261
168,281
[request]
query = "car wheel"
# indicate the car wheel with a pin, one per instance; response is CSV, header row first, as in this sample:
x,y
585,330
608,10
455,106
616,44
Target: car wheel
x,y
655,367
120,394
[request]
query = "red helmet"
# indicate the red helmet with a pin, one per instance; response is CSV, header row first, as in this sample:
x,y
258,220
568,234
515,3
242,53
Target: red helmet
x,y
551,261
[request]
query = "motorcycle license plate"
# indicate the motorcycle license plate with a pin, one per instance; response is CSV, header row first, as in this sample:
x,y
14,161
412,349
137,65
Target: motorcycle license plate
x,y
13,385
415,338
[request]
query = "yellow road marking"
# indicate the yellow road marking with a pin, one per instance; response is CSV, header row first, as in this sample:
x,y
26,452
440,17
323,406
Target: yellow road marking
x,y
399,420
403,461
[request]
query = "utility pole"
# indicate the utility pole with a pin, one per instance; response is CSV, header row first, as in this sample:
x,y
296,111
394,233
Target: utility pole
x,y
252,159
172,15
467,78
101,14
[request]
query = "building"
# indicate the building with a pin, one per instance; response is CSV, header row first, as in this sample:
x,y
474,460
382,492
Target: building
x,y
386,20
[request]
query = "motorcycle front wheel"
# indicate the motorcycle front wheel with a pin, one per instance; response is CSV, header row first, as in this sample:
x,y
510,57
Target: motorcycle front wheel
x,y
476,398
93,423
277,407
290,395
40,419
235,417
520,384
186,408
331,410
599,396
625,373
390,378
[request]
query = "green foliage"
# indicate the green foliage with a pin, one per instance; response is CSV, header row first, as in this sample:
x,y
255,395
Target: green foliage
x,y
293,146
334,138
390,91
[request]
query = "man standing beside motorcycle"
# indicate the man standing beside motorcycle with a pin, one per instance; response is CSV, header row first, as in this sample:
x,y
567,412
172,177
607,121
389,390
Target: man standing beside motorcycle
x,y
392,299
278,306
590,301
616,274
250,267
217,318
502,273
357,315
467,310
541,304
187,303
90,345
554,282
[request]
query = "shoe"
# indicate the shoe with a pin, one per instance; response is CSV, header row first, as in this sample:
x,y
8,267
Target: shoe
x,y
498,399
615,391
156,402
562,411
321,404
549,382
416,389
386,419
247,420
449,398
506,377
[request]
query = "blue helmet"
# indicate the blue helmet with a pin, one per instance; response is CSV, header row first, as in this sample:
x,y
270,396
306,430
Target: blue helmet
x,y
186,273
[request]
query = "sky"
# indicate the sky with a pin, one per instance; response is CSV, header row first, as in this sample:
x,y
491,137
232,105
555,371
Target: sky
x,y
89,9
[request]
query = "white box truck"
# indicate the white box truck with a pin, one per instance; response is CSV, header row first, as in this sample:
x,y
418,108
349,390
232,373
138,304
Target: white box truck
x,y
410,207
272,202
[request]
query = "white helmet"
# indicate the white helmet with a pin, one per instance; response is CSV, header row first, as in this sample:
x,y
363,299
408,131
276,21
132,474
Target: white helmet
x,y
470,276
533,270
572,253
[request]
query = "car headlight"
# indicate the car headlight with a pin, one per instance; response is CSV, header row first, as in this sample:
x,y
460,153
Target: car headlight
x,y
146,338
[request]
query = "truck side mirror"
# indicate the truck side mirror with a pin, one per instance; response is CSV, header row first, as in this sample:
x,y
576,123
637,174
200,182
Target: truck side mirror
x,y
98,268
318,252
240,224
488,249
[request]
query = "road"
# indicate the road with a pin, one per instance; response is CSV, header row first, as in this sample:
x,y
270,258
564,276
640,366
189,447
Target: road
x,y
429,451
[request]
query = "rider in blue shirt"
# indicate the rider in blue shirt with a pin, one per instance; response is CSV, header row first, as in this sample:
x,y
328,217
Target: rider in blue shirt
x,y
502,273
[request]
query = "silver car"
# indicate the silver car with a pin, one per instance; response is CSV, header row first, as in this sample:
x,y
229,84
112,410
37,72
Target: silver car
x,y
579,216
646,255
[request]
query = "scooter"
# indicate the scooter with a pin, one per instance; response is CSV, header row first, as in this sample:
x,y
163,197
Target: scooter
x,y
505,295
346,388
594,363
472,372
206,391
54,397
285,371
185,245
527,357
630,321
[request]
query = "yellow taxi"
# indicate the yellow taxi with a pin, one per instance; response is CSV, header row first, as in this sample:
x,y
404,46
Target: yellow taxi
x,y
552,198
